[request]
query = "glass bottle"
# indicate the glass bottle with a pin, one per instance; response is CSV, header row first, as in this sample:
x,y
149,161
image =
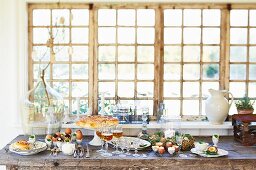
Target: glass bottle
x,y
43,108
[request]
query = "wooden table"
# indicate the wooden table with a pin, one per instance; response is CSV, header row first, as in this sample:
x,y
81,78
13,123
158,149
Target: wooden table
x,y
240,157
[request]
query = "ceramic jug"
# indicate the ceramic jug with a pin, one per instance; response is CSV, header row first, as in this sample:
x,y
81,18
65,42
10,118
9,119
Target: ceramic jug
x,y
217,106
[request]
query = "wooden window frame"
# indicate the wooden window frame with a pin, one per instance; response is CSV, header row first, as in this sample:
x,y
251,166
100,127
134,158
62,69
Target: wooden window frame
x,y
224,69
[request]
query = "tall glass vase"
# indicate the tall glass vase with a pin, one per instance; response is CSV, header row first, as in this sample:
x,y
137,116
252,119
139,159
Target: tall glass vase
x,y
43,108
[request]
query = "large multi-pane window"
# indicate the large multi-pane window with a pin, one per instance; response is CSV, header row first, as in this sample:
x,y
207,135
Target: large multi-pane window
x,y
126,55
143,54
242,53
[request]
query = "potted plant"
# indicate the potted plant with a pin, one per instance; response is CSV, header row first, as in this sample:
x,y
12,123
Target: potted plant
x,y
244,106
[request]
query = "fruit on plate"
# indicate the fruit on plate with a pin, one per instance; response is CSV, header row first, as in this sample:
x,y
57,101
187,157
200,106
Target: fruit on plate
x,y
161,150
212,150
79,135
168,144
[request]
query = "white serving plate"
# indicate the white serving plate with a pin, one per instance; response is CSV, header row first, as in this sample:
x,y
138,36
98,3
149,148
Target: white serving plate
x,y
37,147
221,152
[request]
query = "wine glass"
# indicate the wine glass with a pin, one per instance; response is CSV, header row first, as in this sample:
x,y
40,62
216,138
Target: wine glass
x,y
136,144
128,147
99,134
122,146
117,134
179,140
107,135
215,139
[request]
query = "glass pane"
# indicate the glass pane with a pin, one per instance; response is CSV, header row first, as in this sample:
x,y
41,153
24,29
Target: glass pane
x,y
252,17
61,35
209,85
172,35
252,72
172,53
192,17
79,89
106,71
79,71
211,17
191,53
126,53
252,54
145,89
41,17
233,109
125,89
145,17
80,17
108,88
60,71
110,14
145,72
145,53
126,17
239,17
172,71
40,35
172,89
173,107
107,53
191,89
62,88
234,86
188,104
41,53
238,54
251,90
126,71
211,53
145,35
252,35
238,35
61,53
211,35
145,103
172,17
192,35
191,71
126,35
60,17
237,71
210,71
36,71
107,35
79,35
80,53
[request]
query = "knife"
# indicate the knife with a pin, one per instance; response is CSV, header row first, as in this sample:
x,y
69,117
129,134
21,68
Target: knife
x,y
87,155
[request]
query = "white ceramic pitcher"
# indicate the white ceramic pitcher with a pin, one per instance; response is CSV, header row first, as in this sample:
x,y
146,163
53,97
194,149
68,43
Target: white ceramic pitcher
x,y
217,106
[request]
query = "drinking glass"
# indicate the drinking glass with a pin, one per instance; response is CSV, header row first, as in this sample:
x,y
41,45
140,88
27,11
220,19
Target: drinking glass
x,y
179,139
215,139
122,146
99,134
128,147
107,135
117,134
136,144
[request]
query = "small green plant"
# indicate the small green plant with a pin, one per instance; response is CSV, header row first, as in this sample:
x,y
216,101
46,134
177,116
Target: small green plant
x,y
244,104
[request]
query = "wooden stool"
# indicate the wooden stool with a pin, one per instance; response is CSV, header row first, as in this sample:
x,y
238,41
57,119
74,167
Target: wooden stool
x,y
244,130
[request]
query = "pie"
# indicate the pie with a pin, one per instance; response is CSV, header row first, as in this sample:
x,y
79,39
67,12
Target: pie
x,y
22,145
97,121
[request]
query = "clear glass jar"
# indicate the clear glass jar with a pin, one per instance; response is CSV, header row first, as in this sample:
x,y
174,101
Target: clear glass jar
x,y
43,108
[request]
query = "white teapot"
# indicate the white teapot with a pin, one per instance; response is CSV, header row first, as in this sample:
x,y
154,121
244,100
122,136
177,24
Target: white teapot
x,y
68,148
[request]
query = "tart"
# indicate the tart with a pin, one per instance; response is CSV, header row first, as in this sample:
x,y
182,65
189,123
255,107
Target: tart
x,y
96,121
212,150
22,145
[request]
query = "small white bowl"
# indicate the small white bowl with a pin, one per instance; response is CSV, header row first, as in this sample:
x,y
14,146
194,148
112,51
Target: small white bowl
x,y
201,146
155,148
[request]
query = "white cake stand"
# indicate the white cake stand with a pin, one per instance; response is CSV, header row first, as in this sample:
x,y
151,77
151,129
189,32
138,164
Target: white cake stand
x,y
96,141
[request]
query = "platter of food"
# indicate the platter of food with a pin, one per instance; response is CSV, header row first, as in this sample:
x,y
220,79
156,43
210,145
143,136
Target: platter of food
x,y
210,152
23,147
